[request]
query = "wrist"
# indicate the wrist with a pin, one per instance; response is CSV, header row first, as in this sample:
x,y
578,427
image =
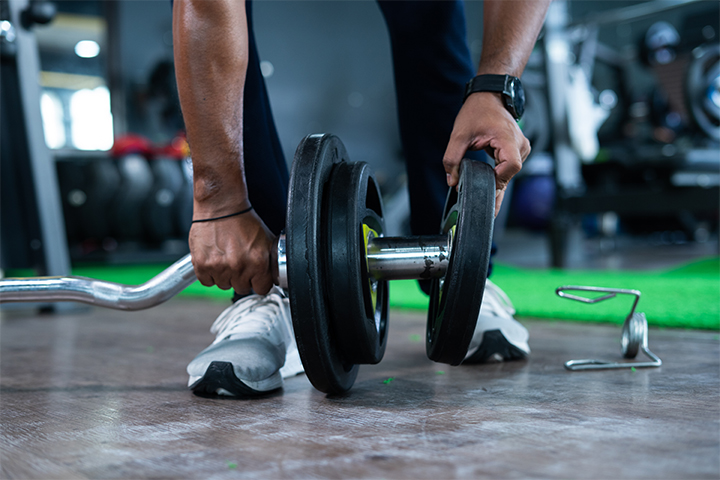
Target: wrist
x,y
222,217
487,98
218,171
506,87
498,68
213,200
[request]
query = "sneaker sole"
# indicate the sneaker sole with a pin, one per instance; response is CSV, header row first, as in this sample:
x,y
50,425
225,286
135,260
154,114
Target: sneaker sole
x,y
220,380
495,344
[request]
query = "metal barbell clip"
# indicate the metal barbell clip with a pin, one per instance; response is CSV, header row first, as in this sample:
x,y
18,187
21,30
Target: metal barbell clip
x,y
634,333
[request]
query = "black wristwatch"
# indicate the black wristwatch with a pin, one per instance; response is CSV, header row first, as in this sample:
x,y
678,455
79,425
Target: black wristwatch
x,y
510,87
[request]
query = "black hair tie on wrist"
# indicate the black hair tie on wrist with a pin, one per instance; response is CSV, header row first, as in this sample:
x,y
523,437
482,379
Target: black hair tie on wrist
x,y
224,216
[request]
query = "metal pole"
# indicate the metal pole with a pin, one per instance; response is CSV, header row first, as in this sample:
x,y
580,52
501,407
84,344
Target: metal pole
x,y
557,51
632,13
42,164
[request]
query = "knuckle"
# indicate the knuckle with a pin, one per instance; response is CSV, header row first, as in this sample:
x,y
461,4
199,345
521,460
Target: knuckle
x,y
526,147
258,258
451,165
212,262
234,264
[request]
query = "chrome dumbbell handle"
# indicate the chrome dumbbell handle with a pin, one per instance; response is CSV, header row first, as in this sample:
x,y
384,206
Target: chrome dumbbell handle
x,y
394,258
409,258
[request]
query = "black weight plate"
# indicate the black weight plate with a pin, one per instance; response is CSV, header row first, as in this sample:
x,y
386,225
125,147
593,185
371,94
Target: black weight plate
x,y
102,189
359,304
135,187
306,265
702,73
159,221
456,298
73,186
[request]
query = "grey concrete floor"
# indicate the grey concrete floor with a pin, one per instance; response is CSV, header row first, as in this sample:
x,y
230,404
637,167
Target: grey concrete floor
x,y
102,394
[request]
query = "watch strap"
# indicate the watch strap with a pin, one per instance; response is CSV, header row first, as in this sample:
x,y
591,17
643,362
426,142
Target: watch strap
x,y
507,86
486,83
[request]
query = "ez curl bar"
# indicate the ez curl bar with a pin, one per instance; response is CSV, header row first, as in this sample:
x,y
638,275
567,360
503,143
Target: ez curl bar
x,y
392,258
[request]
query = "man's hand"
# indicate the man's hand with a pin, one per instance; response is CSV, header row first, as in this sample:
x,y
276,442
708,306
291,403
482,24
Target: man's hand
x,y
484,123
510,30
233,253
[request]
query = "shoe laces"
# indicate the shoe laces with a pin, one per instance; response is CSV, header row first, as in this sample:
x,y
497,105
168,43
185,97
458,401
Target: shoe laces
x,y
497,301
254,315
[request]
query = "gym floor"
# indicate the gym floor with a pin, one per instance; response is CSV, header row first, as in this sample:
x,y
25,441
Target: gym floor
x,y
101,394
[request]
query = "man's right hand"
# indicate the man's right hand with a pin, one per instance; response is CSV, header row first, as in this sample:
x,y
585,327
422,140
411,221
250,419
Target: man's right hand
x,y
233,252
210,44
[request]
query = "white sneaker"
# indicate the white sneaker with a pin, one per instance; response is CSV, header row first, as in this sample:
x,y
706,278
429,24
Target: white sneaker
x,y
254,349
498,336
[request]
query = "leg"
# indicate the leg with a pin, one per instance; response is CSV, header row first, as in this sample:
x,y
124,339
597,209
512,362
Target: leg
x,y
431,63
265,168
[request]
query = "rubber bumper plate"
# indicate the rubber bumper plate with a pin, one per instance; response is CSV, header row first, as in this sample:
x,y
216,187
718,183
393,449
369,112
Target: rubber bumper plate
x,y
308,284
359,304
455,299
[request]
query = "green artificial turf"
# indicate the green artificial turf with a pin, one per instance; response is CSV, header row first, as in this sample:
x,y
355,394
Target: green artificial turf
x,y
684,297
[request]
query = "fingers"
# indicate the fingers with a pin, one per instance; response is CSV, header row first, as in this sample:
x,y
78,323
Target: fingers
x,y
484,123
256,276
510,152
211,273
203,274
499,196
262,284
454,153
225,273
509,149
233,253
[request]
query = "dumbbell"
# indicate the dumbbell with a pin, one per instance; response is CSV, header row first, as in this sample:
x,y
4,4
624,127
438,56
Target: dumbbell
x,y
336,263
336,255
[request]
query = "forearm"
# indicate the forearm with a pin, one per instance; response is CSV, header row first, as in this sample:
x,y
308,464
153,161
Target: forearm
x,y
510,29
211,55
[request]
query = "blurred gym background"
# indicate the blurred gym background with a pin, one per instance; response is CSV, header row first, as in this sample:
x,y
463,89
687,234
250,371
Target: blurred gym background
x,y
623,110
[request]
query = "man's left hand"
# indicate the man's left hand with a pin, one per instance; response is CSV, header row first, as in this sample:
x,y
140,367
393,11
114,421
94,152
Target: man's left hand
x,y
484,123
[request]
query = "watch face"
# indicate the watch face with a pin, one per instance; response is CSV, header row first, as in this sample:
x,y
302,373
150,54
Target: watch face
x,y
518,98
